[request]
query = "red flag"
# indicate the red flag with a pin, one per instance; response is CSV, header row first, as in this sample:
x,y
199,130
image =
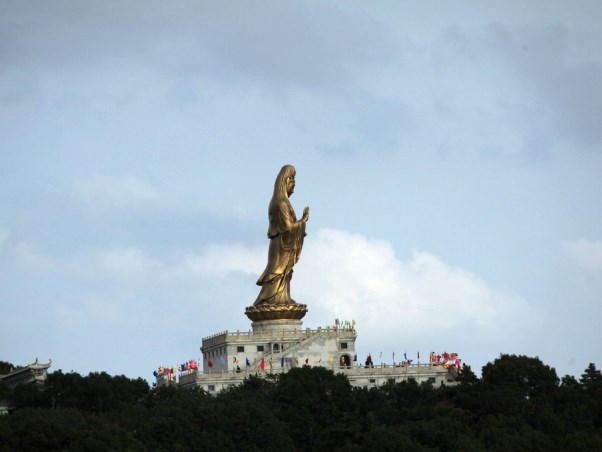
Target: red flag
x,y
418,355
210,363
262,364
306,360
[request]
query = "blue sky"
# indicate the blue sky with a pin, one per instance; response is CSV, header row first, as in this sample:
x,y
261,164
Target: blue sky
x,y
450,152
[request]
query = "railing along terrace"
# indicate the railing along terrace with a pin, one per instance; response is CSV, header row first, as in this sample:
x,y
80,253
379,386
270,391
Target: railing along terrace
x,y
281,334
356,369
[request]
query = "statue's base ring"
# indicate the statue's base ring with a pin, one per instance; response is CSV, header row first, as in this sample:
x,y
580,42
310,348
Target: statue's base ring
x,y
276,312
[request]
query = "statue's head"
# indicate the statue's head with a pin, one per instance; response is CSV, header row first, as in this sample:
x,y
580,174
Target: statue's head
x,y
285,182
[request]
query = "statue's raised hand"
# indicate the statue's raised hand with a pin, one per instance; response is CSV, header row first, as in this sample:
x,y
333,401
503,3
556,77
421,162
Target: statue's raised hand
x,y
305,214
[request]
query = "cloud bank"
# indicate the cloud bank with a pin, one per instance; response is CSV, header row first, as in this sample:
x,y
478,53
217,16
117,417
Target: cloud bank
x,y
352,276
341,274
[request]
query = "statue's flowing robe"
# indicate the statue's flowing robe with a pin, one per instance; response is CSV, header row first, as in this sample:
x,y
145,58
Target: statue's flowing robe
x,y
286,236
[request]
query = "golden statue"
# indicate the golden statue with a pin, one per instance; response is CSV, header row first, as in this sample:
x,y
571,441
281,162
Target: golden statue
x,y
286,235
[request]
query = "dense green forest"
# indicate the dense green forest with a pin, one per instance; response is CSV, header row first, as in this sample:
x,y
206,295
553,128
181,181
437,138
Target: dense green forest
x,y
519,403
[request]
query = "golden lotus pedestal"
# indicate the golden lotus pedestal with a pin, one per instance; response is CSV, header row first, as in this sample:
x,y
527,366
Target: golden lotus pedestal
x,y
263,313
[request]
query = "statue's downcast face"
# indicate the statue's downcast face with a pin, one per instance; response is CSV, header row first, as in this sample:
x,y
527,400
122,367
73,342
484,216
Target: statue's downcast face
x,y
290,184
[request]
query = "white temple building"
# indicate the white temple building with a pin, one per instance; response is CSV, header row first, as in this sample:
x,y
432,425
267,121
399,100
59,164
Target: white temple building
x,y
274,347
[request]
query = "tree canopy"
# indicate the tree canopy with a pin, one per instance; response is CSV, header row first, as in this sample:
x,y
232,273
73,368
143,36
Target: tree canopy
x,y
519,403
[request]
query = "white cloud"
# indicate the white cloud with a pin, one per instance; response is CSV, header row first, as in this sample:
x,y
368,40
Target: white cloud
x,y
585,253
217,260
102,192
350,276
132,266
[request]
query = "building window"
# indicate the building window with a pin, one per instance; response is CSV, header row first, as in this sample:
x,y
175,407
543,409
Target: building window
x,y
343,344
372,380
392,381
240,349
260,348
276,347
211,387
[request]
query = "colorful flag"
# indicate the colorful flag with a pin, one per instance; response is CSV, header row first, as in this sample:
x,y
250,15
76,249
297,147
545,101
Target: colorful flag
x,y
262,364
307,360
405,356
330,359
353,323
282,362
248,362
270,362
209,362
418,354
